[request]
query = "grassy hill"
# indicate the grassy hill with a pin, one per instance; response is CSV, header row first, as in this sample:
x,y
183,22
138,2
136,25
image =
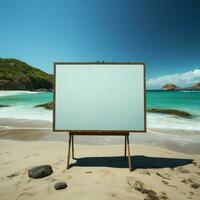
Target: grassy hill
x,y
18,75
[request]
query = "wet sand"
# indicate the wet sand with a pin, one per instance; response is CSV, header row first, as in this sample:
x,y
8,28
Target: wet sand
x,y
37,130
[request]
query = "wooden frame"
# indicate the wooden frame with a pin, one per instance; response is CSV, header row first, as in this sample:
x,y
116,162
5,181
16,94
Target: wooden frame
x,y
99,132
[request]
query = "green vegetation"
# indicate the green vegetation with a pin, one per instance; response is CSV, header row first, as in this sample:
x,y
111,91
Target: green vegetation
x,y
15,75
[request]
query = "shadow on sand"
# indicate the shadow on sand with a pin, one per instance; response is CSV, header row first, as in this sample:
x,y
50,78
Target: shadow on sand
x,y
138,162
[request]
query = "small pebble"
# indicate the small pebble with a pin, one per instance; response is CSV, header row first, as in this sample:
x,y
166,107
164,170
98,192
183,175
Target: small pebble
x,y
60,185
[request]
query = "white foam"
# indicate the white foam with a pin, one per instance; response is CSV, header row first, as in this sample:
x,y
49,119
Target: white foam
x,y
154,120
188,91
15,92
26,112
171,122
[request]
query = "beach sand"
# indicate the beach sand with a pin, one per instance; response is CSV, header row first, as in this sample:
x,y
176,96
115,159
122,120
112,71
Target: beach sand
x,y
98,172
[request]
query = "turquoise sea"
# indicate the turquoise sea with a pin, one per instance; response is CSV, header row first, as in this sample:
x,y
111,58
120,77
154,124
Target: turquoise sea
x,y
182,100
22,107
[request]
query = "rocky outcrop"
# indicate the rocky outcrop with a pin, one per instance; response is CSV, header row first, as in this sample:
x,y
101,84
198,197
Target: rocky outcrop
x,y
194,87
43,90
170,87
170,112
18,75
46,105
174,87
1,106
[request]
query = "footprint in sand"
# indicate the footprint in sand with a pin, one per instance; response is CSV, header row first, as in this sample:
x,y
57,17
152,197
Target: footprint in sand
x,y
28,156
106,172
130,180
112,195
6,163
188,180
194,163
145,171
69,177
28,188
198,173
88,172
52,179
164,176
64,171
192,183
13,175
166,183
191,193
151,195
182,170
7,152
24,195
20,183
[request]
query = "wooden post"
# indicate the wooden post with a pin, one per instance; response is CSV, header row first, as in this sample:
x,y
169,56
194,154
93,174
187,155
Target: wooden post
x,y
69,147
72,146
129,154
125,148
127,145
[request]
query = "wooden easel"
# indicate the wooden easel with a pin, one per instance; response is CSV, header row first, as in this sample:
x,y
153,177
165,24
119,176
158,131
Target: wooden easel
x,y
126,144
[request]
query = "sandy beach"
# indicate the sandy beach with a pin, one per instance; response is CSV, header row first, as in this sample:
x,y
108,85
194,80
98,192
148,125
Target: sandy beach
x,y
99,171
169,174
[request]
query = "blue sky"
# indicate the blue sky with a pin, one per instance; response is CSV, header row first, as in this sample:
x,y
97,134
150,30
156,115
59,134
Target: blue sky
x,y
165,34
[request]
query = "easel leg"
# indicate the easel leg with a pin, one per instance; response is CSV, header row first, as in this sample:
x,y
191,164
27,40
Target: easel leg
x,y
72,146
69,147
129,156
125,148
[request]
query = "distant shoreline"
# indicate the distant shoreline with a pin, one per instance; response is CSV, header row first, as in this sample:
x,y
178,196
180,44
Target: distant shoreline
x,y
35,90
148,90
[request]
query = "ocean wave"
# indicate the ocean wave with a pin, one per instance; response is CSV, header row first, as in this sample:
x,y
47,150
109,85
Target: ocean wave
x,y
154,120
188,91
15,92
26,112
170,122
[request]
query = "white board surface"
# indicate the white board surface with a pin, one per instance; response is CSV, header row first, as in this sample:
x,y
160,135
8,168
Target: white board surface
x,y
100,97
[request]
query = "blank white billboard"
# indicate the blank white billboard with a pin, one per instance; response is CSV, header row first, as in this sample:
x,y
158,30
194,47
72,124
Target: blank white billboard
x,y
99,97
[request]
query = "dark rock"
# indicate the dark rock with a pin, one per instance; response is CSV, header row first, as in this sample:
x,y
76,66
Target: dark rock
x,y
170,112
60,185
40,171
46,105
43,90
1,106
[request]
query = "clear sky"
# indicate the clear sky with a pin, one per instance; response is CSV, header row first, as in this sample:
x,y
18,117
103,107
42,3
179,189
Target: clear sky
x,y
165,34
